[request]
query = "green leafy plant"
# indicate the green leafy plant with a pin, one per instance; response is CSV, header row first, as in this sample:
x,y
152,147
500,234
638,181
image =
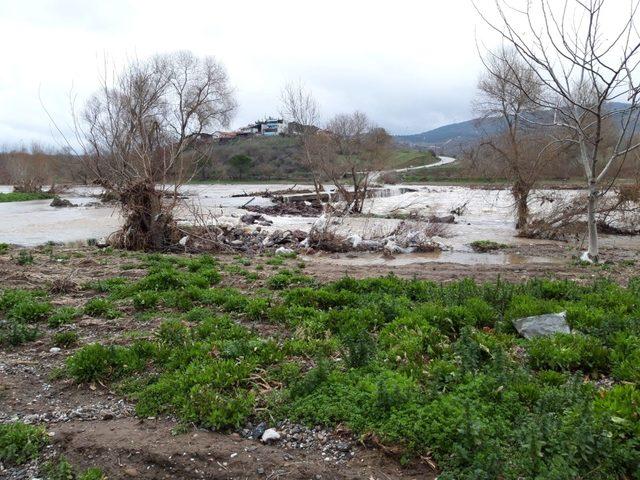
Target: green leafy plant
x,y
101,307
64,339
24,258
63,316
20,442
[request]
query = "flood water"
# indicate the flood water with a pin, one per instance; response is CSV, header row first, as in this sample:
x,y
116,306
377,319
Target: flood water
x,y
487,215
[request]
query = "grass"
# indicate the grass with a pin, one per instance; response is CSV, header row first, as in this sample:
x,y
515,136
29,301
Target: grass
x,y
425,368
23,197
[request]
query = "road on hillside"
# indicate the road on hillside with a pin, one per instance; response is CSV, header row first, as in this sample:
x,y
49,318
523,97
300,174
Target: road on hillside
x,y
443,161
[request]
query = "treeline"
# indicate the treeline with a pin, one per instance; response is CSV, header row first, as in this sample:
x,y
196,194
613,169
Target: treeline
x,y
30,169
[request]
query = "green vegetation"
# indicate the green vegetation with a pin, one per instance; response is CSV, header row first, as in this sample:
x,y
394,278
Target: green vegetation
x,y
428,368
22,310
4,248
24,258
483,246
20,443
277,158
23,197
64,339
63,316
101,307
61,469
411,158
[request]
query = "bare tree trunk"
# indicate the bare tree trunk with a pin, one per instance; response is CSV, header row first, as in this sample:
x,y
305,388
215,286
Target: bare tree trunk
x,y
523,212
521,196
592,226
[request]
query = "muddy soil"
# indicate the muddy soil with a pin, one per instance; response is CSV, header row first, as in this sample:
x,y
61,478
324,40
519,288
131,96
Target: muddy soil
x,y
516,264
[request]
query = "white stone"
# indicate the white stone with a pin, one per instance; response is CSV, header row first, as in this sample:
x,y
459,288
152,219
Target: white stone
x,y
270,435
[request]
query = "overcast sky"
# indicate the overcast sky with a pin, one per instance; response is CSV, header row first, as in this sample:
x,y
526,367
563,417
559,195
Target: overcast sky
x,y
410,64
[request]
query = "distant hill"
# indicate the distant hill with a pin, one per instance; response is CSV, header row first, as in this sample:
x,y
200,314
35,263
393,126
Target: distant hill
x,y
450,139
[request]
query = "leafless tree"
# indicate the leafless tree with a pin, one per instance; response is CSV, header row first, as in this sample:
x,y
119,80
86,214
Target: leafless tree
x,y
301,110
140,133
357,149
516,148
586,71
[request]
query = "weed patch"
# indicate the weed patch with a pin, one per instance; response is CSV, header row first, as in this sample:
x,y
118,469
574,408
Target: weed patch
x,y
20,442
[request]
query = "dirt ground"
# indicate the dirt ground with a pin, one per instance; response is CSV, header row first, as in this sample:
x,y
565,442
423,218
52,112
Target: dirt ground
x,y
94,426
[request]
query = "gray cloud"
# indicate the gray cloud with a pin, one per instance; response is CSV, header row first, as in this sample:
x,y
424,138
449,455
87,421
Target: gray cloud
x,y
411,67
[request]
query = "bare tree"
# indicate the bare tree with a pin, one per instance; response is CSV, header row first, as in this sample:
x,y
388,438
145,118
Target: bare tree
x,y
587,73
300,109
516,148
139,133
359,149
29,170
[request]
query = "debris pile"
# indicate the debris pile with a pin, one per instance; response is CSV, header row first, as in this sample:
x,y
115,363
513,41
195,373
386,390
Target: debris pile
x,y
407,237
566,219
303,209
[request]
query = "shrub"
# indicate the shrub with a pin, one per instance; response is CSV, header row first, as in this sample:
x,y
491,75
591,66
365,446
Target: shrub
x,y
63,316
20,443
11,297
98,362
487,246
101,307
625,357
92,474
29,311
4,248
411,341
16,333
59,469
567,352
65,339
24,258
145,300
287,278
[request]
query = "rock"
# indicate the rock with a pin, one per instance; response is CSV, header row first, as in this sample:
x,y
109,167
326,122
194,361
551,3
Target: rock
x,y
445,219
131,472
354,239
251,218
284,251
342,447
270,435
542,325
61,202
299,234
585,257
54,350
259,430
102,243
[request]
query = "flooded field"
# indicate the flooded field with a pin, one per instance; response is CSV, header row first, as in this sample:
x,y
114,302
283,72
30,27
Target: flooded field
x,y
486,214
